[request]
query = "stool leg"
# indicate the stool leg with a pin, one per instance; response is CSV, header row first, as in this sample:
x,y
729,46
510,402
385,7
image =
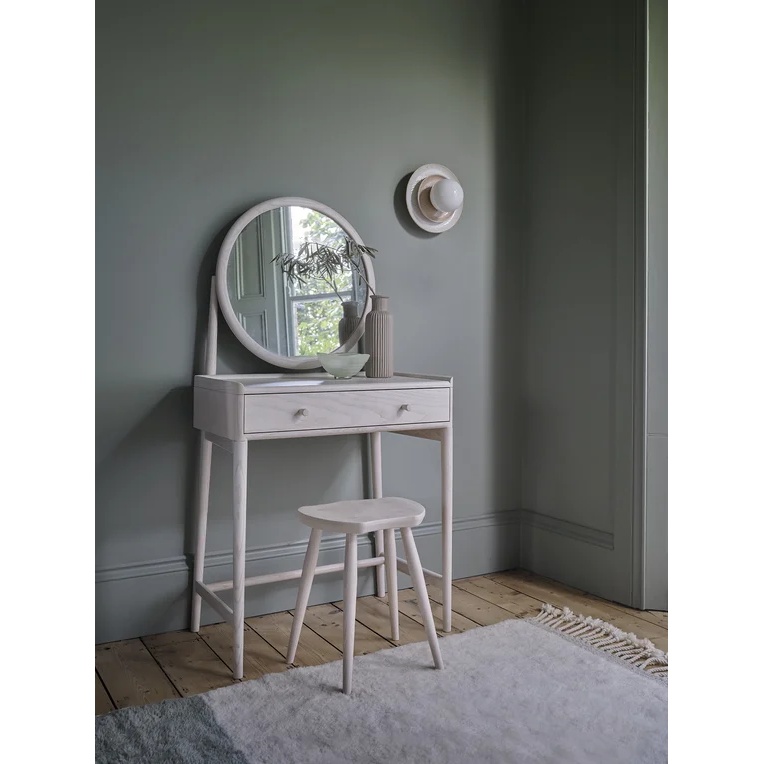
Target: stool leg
x,y
417,578
348,623
303,593
391,567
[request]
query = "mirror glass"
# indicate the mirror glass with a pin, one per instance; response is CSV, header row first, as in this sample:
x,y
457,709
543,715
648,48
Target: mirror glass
x,y
304,313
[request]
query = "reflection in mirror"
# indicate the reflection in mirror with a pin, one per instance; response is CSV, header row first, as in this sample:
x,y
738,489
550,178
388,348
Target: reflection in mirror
x,y
303,316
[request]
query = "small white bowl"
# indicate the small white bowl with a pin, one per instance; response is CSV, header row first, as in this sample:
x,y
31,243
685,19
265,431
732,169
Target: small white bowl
x,y
343,365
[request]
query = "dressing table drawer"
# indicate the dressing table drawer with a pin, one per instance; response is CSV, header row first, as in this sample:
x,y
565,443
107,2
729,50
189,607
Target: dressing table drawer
x,y
280,412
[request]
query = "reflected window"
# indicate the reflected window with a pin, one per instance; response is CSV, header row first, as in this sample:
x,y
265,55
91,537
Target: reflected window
x,y
315,307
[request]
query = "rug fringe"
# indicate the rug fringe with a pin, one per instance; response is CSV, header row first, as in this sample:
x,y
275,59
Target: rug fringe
x,y
641,653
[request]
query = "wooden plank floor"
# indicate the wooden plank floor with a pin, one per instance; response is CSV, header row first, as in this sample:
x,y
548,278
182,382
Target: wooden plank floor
x,y
134,672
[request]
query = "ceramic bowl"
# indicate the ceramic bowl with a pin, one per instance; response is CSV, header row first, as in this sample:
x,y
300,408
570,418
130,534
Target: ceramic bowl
x,y
343,365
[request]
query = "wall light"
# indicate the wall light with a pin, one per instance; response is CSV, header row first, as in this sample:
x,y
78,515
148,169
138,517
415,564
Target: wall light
x,y
434,198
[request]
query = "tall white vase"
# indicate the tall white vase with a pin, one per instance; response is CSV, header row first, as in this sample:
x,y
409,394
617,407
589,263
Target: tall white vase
x,y
378,336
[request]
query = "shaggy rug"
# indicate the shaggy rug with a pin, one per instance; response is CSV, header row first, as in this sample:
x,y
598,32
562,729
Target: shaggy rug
x,y
556,688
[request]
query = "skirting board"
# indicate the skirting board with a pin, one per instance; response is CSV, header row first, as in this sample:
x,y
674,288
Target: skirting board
x,y
154,597
584,533
579,556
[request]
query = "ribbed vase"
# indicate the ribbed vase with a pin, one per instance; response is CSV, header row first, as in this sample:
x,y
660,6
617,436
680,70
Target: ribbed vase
x,y
351,317
378,336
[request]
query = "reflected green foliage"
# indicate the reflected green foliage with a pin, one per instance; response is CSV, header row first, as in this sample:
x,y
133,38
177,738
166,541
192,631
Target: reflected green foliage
x,y
322,230
317,326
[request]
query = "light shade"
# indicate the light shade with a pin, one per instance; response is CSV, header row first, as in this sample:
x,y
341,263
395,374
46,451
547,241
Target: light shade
x,y
434,198
447,195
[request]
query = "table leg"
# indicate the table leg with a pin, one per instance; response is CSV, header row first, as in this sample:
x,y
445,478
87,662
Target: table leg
x,y
446,469
203,502
375,439
239,547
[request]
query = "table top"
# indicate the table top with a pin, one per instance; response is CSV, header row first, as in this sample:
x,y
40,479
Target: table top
x,y
253,384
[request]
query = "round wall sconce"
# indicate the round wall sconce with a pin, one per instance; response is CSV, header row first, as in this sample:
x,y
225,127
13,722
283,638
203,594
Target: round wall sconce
x,y
434,198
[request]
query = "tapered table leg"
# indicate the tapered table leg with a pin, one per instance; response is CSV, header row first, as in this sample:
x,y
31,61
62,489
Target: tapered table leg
x,y
239,545
375,439
447,520
203,503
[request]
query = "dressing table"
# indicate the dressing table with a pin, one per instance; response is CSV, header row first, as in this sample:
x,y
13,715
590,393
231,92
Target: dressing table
x,y
267,314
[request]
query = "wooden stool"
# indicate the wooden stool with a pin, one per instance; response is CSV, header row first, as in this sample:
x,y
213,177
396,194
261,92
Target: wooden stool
x,y
352,518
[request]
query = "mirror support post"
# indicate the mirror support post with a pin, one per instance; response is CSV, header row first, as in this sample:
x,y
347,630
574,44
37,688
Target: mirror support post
x,y
211,347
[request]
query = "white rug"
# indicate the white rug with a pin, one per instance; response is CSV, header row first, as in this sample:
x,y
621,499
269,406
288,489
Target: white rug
x,y
519,691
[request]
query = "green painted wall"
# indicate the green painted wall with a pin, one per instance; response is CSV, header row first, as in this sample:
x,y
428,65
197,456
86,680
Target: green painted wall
x,y
206,108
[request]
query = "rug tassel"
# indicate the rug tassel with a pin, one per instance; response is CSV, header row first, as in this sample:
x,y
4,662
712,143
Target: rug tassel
x,y
641,653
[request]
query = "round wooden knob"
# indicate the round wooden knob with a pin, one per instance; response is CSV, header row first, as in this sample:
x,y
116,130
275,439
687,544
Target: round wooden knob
x,y
302,412
406,407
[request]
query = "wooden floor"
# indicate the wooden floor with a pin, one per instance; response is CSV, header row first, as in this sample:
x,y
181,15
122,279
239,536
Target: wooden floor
x,y
134,672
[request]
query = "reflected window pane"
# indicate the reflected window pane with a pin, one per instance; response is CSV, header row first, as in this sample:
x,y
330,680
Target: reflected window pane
x,y
309,225
316,325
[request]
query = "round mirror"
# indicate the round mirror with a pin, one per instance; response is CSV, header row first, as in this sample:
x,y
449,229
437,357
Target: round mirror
x,y
294,279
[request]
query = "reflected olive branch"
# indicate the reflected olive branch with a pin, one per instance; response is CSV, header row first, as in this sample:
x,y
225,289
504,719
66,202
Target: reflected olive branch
x,y
325,262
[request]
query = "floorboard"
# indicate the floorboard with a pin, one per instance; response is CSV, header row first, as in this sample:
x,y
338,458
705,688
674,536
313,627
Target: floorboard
x,y
407,603
326,620
103,702
260,657
517,603
559,595
374,613
476,609
312,649
189,662
660,617
132,675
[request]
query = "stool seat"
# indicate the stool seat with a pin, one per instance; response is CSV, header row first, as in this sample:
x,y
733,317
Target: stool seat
x,y
363,515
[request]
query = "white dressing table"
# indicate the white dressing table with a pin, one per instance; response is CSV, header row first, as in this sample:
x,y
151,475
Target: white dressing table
x,y
231,410
271,316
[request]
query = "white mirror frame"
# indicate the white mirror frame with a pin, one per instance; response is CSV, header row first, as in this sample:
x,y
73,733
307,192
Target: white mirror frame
x,y
224,299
